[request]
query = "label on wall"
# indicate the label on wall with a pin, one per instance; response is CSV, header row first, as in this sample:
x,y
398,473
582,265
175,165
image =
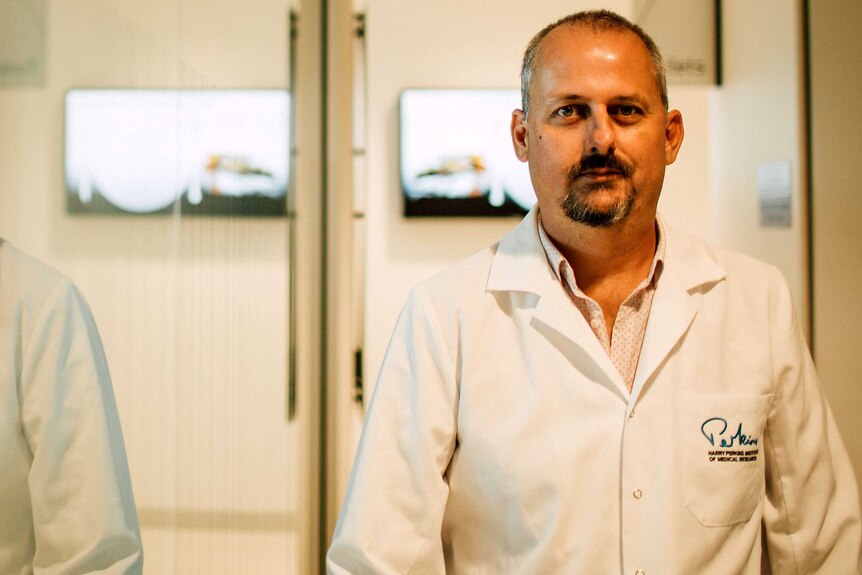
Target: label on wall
x,y
686,34
774,193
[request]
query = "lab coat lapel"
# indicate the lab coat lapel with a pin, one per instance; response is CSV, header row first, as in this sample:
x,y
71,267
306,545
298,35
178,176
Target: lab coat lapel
x,y
520,264
687,266
557,312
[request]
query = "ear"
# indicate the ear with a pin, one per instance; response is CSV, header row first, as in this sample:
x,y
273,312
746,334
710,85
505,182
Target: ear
x,y
519,134
673,134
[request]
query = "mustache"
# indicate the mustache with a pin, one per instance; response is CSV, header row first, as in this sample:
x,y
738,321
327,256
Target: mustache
x,y
603,161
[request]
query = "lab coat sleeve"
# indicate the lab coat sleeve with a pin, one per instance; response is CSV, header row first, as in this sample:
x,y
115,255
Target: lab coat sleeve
x,y
83,511
811,513
392,515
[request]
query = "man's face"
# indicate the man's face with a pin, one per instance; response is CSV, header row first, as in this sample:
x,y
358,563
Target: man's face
x,y
597,137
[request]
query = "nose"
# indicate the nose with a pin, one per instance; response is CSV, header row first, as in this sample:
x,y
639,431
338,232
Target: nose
x,y
600,136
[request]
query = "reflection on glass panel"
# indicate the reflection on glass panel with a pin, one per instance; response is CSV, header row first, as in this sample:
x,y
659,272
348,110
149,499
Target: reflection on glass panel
x,y
194,311
217,152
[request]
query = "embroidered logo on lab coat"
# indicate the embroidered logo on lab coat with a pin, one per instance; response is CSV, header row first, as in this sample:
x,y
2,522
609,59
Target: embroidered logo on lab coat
x,y
731,444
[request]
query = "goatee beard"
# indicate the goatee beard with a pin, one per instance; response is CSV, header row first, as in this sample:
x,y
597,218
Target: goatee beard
x,y
576,205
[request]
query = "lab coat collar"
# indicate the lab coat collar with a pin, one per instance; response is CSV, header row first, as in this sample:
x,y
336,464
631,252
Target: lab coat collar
x,y
520,264
689,267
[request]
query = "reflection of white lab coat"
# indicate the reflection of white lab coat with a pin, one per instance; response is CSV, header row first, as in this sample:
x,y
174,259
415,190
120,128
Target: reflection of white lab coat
x,y
501,439
66,503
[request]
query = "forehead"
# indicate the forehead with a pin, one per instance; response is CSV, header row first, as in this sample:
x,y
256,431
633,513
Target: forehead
x,y
577,56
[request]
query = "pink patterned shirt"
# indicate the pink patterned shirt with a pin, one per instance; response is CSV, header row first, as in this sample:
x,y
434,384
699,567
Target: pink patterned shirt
x,y
624,344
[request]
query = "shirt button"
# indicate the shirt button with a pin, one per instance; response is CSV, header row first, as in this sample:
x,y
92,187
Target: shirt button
x,y
595,322
638,493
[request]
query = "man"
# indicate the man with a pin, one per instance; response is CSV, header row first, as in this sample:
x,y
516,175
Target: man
x,y
66,503
599,393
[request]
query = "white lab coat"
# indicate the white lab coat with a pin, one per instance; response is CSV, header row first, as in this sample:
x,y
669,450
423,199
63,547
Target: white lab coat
x,y
66,505
501,439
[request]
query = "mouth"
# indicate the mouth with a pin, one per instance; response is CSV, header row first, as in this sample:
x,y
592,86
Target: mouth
x,y
601,174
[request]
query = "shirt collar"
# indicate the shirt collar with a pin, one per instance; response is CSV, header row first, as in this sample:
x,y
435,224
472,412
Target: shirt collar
x,y
564,271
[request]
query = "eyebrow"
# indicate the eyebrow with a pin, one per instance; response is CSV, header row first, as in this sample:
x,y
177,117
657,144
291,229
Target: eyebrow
x,y
630,100
567,98
623,99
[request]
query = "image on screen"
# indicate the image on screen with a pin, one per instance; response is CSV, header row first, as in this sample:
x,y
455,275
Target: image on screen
x,y
204,152
456,154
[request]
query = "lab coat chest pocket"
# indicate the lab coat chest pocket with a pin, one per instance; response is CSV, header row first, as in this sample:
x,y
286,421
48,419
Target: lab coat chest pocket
x,y
722,446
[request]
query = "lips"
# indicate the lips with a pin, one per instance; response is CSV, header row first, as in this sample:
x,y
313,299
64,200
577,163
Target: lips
x,y
600,174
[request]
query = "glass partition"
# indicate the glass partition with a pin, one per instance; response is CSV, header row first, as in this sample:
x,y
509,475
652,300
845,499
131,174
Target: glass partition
x,y
168,106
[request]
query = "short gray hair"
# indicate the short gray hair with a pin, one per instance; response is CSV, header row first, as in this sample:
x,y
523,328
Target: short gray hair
x,y
598,21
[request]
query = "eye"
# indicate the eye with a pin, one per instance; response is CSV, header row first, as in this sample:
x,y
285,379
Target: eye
x,y
627,111
572,112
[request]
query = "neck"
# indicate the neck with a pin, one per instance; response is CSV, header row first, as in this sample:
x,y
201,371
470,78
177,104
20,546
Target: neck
x,y
622,253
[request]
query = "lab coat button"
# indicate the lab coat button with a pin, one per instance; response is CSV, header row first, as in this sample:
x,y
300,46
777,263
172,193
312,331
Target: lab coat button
x,y
640,572
638,493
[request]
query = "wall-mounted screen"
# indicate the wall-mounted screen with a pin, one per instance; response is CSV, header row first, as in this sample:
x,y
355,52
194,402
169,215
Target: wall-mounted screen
x,y
208,152
457,157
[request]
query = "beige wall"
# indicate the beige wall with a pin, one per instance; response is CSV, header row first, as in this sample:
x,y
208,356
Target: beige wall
x,y
836,74
757,118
